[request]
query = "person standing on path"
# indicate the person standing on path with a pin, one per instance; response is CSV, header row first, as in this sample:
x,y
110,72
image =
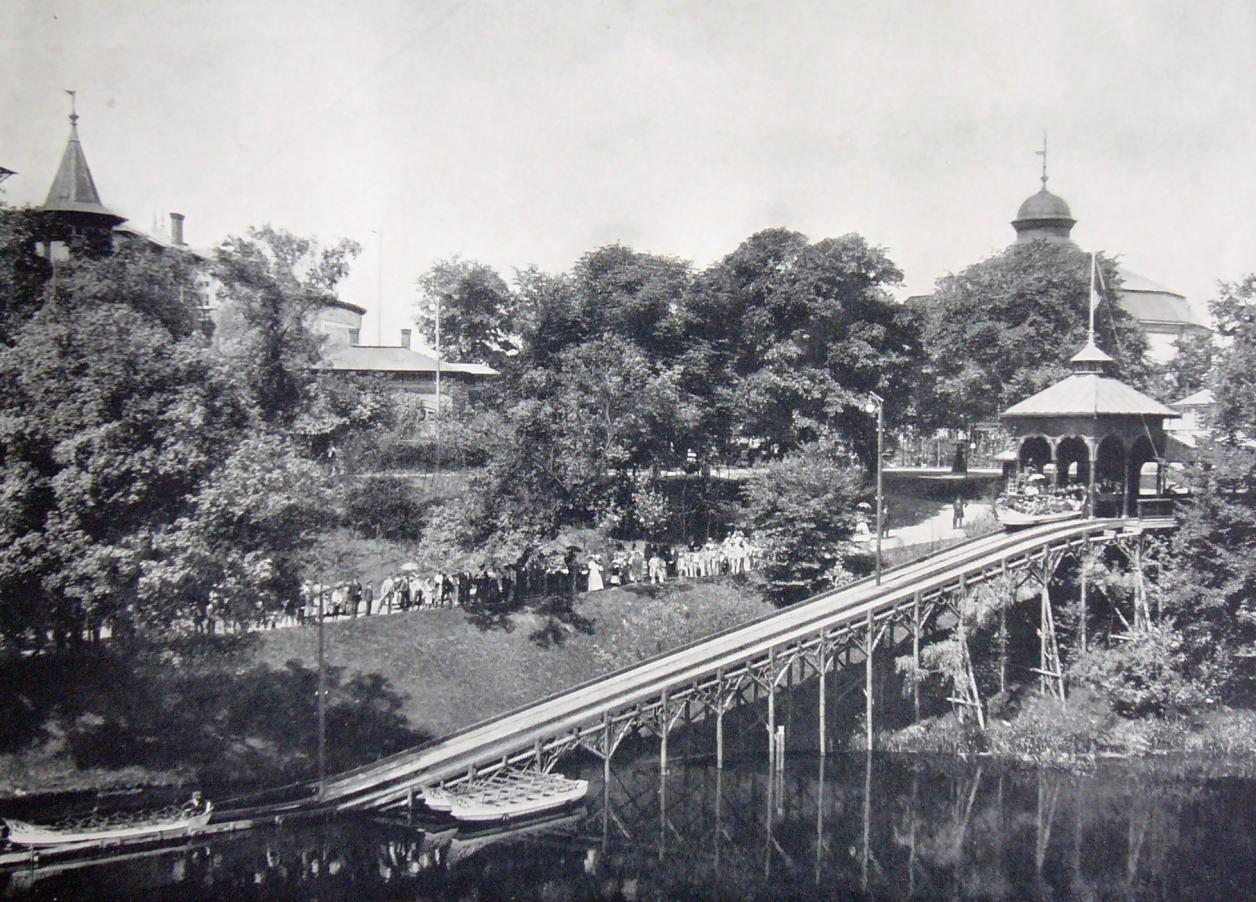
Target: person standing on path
x,y
595,574
957,513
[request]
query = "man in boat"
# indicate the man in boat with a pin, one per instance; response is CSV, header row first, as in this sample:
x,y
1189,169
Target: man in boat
x,y
195,805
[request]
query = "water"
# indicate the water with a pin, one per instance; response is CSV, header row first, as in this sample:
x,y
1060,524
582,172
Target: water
x,y
848,826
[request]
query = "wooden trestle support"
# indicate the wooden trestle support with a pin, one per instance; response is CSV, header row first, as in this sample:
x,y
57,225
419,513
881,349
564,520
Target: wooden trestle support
x,y
819,655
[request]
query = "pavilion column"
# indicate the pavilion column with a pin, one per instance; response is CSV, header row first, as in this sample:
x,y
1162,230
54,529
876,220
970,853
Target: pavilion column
x,y
1092,451
1055,459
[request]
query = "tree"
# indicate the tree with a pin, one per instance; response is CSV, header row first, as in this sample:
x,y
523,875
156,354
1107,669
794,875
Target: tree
x,y
23,273
801,512
274,282
611,291
1190,369
785,339
567,448
633,296
107,424
159,285
477,312
240,540
1205,580
1006,327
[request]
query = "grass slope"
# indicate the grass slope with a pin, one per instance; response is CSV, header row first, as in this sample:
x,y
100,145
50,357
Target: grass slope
x,y
242,709
453,669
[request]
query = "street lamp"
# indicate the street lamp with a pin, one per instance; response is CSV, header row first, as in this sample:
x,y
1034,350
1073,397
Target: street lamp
x,y
876,404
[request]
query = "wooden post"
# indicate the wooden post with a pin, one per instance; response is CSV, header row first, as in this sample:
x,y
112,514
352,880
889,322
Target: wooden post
x,y
719,721
322,698
1003,637
915,657
823,671
820,821
1082,618
606,748
1044,609
1002,651
867,818
772,704
664,723
869,640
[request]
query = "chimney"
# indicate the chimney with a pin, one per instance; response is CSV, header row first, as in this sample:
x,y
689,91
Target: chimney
x,y
405,338
176,229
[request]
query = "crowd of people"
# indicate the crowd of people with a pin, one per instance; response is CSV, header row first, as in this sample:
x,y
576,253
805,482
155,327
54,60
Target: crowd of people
x,y
575,570
1032,494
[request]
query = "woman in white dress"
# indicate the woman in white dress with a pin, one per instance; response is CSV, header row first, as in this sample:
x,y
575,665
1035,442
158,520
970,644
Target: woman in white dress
x,y
595,574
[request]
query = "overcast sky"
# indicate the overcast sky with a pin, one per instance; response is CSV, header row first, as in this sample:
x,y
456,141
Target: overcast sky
x,y
531,132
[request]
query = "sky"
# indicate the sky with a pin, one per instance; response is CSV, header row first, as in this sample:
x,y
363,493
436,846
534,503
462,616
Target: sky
x,y
529,133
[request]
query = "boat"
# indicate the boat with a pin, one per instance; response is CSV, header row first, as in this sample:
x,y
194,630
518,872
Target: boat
x,y
109,829
1014,519
505,795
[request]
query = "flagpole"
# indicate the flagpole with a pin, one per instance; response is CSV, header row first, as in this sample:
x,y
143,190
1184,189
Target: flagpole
x,y
1092,297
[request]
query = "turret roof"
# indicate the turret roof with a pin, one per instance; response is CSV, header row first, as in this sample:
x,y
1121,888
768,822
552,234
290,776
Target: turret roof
x,y
73,189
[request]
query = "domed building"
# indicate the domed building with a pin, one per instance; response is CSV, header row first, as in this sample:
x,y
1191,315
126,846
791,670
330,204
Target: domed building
x,y
1164,314
1044,216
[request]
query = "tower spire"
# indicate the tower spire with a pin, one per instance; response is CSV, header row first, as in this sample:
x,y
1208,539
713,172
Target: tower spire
x,y
1043,153
73,189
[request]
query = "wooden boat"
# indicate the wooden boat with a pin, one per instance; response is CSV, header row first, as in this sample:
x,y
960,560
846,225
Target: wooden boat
x,y
1014,519
504,796
107,829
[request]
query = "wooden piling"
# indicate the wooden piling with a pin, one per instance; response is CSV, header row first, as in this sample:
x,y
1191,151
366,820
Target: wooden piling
x,y
869,641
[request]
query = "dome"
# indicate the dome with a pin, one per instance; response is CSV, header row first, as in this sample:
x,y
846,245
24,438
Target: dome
x,y
1044,205
1044,216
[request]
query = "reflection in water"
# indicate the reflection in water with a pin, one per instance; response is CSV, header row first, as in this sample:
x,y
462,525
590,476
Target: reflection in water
x,y
848,825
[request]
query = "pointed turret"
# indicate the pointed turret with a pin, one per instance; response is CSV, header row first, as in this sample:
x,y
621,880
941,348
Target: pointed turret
x,y
73,199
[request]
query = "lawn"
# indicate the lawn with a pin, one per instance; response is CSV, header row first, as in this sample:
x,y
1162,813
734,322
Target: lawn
x,y
454,668
241,709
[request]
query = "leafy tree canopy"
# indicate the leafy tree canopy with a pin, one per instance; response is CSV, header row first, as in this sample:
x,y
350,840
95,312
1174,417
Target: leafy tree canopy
x,y
275,281
801,510
1208,577
1006,327
478,312
1190,369
566,449
612,291
23,272
788,337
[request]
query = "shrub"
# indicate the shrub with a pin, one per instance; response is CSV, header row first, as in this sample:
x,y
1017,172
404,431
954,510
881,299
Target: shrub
x,y
1141,676
386,507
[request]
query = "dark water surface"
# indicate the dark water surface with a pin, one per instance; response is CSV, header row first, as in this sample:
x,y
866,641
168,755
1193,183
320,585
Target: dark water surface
x,y
848,826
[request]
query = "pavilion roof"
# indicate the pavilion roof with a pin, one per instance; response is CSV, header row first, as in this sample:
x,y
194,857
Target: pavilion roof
x,y
1091,395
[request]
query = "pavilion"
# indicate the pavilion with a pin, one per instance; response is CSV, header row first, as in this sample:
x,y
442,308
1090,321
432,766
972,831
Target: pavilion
x,y
1097,432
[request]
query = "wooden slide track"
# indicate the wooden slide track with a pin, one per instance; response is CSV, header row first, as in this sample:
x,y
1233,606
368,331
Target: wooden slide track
x,y
535,735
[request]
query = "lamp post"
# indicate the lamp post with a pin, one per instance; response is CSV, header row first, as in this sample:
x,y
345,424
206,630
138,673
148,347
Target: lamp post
x,y
322,697
438,447
876,404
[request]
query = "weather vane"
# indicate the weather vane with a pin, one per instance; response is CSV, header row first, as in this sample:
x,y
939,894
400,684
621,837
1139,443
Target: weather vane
x,y
73,108
1043,153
